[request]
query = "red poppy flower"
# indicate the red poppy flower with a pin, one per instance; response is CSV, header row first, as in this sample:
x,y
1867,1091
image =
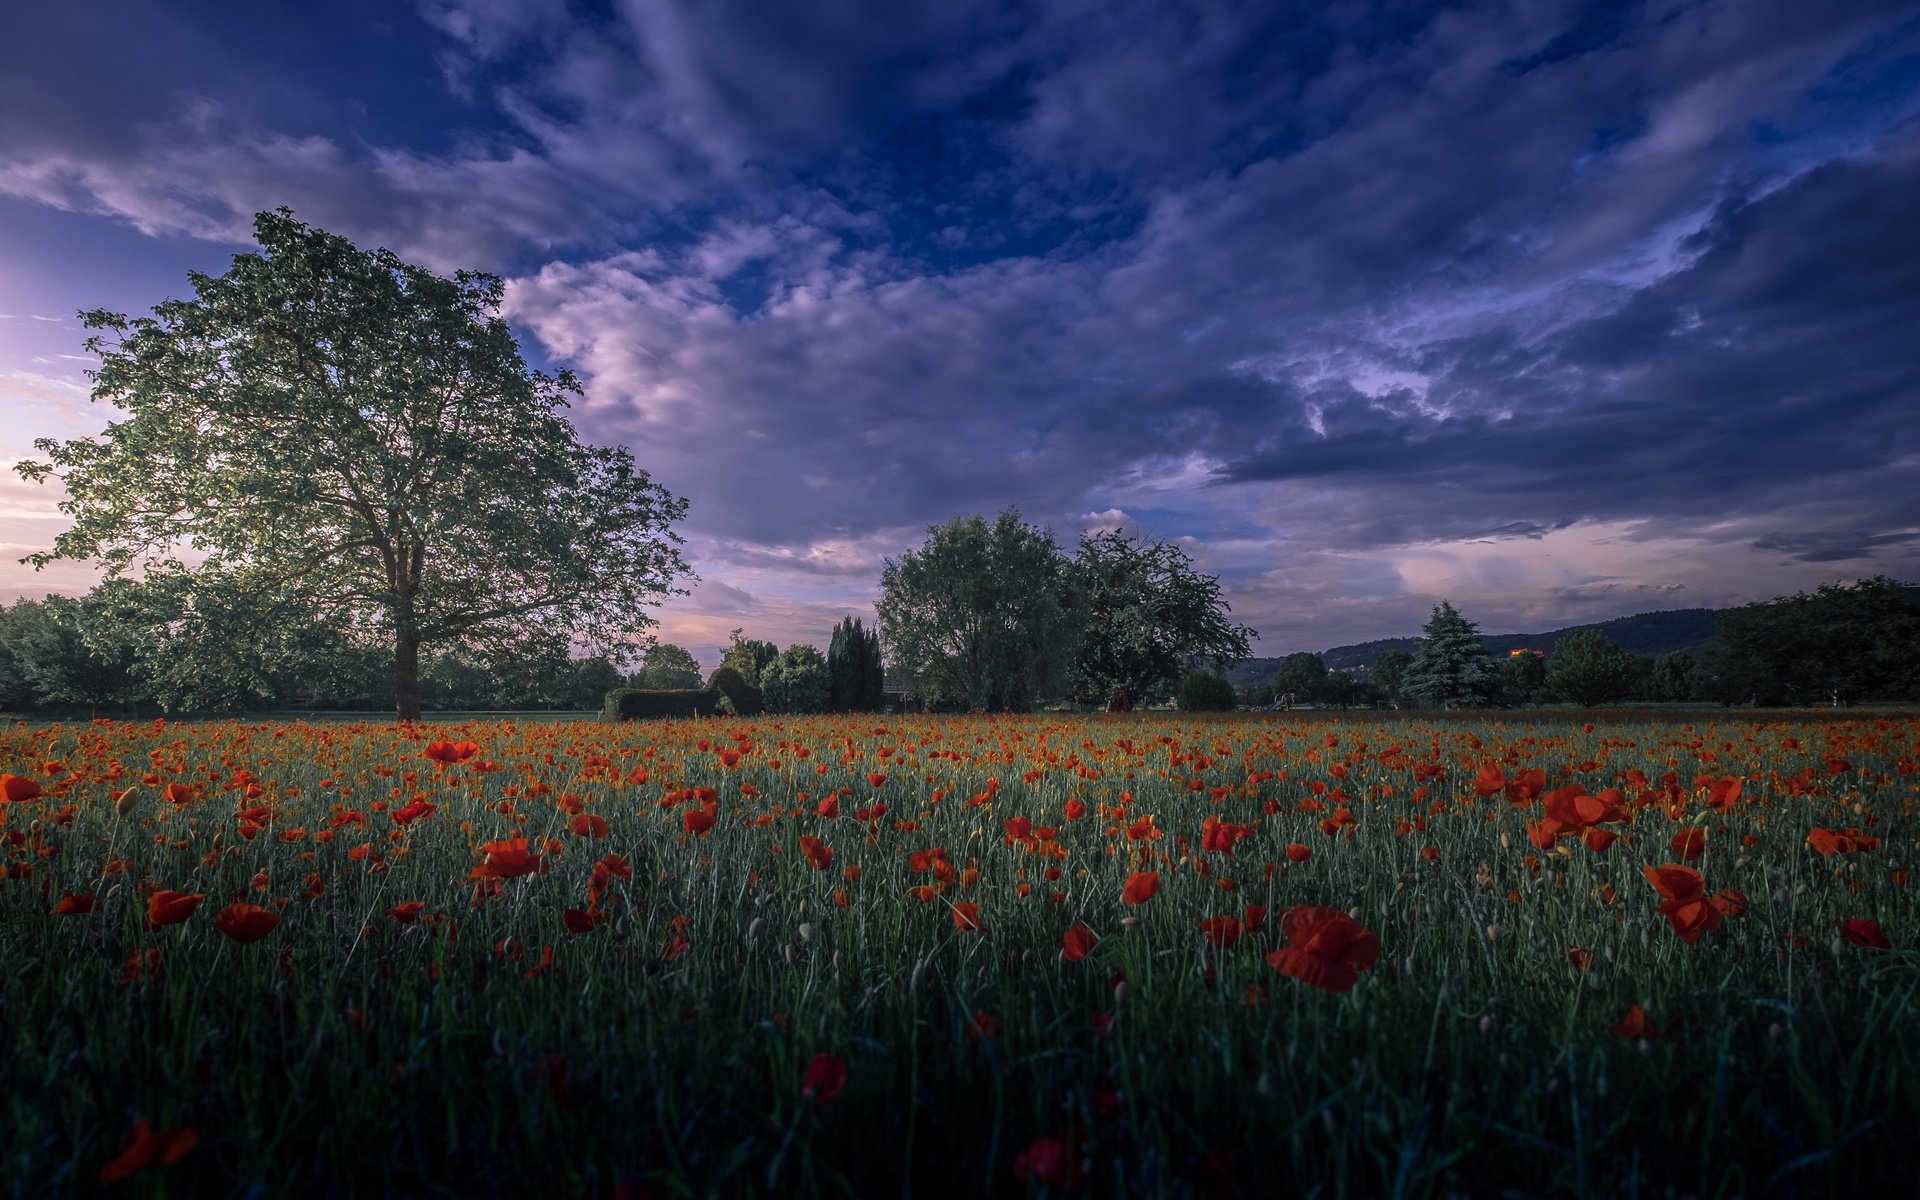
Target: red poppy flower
x,y
170,908
823,1079
407,913
818,854
1051,1162
1220,932
1690,843
1299,853
1841,841
1141,886
447,753
875,778
966,917
412,812
145,1147
1077,943
1329,949
577,920
507,859
76,904
1581,959
245,922
177,793
698,820
1255,915
983,1026
1686,906
1862,932
1635,1026
588,825
17,789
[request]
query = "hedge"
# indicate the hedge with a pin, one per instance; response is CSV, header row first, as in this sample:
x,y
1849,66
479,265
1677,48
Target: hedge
x,y
646,704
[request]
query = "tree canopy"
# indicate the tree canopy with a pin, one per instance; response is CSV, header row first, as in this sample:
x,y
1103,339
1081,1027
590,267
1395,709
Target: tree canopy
x,y
666,666
1149,617
1838,644
1588,669
1452,668
339,436
981,616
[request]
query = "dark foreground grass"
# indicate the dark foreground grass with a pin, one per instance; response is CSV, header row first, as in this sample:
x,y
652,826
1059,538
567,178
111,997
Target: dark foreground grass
x,y
348,1053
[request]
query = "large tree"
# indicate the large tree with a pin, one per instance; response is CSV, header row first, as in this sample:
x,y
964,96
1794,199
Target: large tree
x,y
1150,616
1841,643
749,656
667,667
346,436
1302,675
796,682
982,616
1587,669
1451,668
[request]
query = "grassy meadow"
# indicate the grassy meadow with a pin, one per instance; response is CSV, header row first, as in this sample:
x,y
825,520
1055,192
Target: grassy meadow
x,y
889,956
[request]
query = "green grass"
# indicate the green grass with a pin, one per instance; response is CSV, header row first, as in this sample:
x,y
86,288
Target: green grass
x,y
424,1059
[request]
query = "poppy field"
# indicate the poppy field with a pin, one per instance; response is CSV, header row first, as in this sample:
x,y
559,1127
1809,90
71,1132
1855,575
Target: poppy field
x,y
1118,956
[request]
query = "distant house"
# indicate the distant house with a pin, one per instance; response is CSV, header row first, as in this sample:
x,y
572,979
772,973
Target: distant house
x,y
1524,650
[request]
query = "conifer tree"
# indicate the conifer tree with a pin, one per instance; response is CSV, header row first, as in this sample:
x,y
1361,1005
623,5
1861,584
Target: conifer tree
x,y
1452,668
853,664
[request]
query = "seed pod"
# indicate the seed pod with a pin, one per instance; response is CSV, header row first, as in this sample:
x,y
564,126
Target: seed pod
x,y
789,952
123,803
754,926
806,932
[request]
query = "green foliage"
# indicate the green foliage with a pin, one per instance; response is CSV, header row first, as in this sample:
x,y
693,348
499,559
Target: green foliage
x,y
1389,672
1587,669
1842,643
1451,668
749,657
666,665
650,704
982,617
1523,678
1674,676
1302,675
18,622
1206,691
796,682
353,441
1148,615
742,698
854,669
67,652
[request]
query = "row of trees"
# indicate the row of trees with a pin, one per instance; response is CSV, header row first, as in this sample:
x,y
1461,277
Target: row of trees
x,y
850,677
58,656
996,617
1837,645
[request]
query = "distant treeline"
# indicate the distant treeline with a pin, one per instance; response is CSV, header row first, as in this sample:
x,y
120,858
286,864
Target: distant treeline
x,y
1841,644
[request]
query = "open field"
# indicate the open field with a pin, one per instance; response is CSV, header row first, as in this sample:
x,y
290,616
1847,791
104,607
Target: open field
x,y
951,955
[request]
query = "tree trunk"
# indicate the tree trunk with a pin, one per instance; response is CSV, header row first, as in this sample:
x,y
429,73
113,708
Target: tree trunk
x,y
406,675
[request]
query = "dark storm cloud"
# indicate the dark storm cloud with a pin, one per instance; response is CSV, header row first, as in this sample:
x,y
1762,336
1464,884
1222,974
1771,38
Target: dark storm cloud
x,y
1350,281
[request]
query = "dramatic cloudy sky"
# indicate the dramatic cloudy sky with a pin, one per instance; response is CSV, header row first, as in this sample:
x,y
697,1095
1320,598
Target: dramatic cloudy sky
x,y
1558,311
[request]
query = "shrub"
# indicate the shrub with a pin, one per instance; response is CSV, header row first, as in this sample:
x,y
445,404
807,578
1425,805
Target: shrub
x,y
796,682
646,704
744,697
1204,691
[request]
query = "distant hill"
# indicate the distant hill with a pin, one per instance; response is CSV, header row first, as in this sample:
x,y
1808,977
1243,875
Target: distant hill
x,y
1651,633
